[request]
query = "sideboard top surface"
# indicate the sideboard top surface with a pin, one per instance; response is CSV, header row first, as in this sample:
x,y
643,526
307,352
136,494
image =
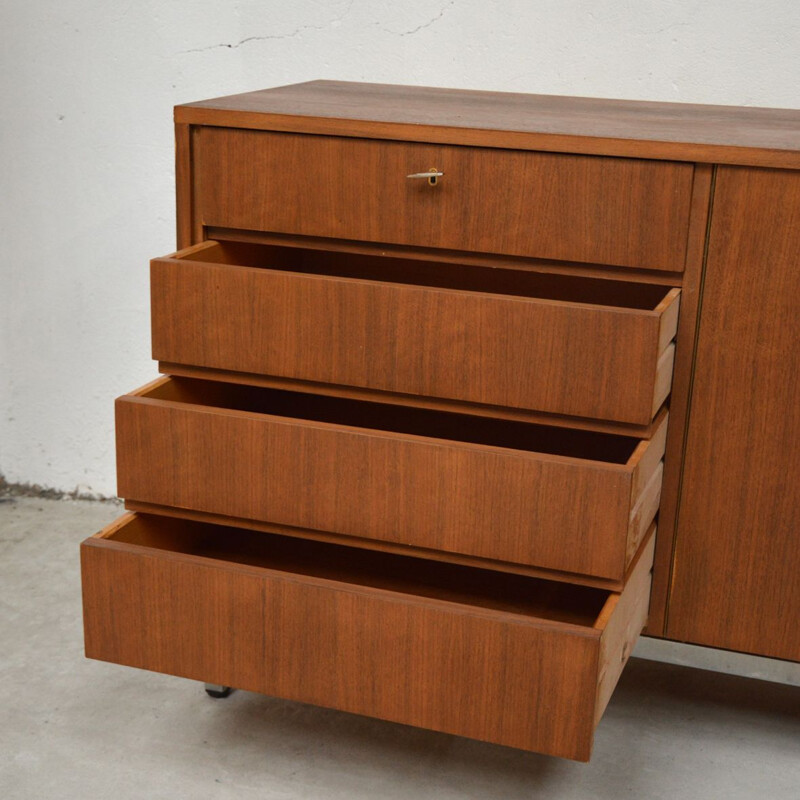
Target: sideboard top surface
x,y
767,137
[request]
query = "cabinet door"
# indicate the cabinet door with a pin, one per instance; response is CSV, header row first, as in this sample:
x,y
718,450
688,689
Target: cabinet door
x,y
736,573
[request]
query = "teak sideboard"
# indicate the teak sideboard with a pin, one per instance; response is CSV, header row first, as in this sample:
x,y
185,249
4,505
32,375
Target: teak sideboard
x,y
461,390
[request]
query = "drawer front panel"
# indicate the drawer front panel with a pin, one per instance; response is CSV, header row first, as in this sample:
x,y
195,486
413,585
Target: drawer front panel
x,y
500,677
495,503
626,212
565,358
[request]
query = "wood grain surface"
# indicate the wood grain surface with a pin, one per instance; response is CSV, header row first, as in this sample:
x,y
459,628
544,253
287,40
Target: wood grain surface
x,y
410,253
683,370
624,626
626,212
184,188
736,578
413,400
678,131
301,622
426,553
437,411
548,497
533,352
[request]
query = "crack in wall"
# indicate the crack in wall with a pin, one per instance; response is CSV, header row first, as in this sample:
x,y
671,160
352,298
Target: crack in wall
x,y
269,37
303,28
423,25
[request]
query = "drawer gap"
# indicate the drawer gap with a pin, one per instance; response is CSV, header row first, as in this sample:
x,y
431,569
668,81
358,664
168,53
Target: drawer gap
x,y
409,575
475,258
396,398
464,277
525,436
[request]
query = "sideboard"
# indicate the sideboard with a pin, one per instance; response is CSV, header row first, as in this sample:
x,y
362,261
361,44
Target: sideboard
x,y
460,392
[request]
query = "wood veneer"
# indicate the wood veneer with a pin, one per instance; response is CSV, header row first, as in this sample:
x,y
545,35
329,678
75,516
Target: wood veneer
x,y
569,500
552,343
678,131
441,255
736,572
412,400
364,632
627,212
427,553
415,433
683,372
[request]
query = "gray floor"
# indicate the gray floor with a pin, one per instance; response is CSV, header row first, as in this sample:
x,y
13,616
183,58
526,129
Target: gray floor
x,y
72,728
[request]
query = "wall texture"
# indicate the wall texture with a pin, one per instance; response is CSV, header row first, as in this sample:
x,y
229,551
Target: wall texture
x,y
87,176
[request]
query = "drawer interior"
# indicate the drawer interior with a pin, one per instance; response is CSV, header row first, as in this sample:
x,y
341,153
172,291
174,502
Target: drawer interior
x,y
531,437
409,575
492,280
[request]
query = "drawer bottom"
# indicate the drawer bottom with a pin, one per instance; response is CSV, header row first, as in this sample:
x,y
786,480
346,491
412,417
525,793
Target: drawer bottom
x,y
510,659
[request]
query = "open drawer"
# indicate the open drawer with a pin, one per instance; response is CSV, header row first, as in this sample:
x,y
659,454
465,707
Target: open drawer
x,y
562,344
555,498
514,660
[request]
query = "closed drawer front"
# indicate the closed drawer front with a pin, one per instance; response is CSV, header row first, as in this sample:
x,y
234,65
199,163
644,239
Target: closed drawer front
x,y
554,498
552,343
517,661
618,211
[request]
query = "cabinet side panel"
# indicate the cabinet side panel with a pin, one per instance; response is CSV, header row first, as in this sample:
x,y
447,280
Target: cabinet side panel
x,y
737,557
183,185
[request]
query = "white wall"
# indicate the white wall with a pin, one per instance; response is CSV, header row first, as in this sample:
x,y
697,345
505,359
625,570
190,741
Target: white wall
x,y
87,172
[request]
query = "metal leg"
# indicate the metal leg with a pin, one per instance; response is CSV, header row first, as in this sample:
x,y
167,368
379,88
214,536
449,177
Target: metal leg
x,y
215,690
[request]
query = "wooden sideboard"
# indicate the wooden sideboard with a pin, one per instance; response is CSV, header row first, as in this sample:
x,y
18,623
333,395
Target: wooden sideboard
x,y
461,390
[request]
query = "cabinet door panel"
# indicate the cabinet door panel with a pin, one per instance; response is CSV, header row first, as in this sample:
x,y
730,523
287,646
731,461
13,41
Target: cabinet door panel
x,y
736,574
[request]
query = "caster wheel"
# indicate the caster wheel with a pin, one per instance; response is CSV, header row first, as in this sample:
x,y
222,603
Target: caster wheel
x,y
213,690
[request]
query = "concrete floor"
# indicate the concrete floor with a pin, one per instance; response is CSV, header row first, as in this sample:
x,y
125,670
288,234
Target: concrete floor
x,y
72,728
